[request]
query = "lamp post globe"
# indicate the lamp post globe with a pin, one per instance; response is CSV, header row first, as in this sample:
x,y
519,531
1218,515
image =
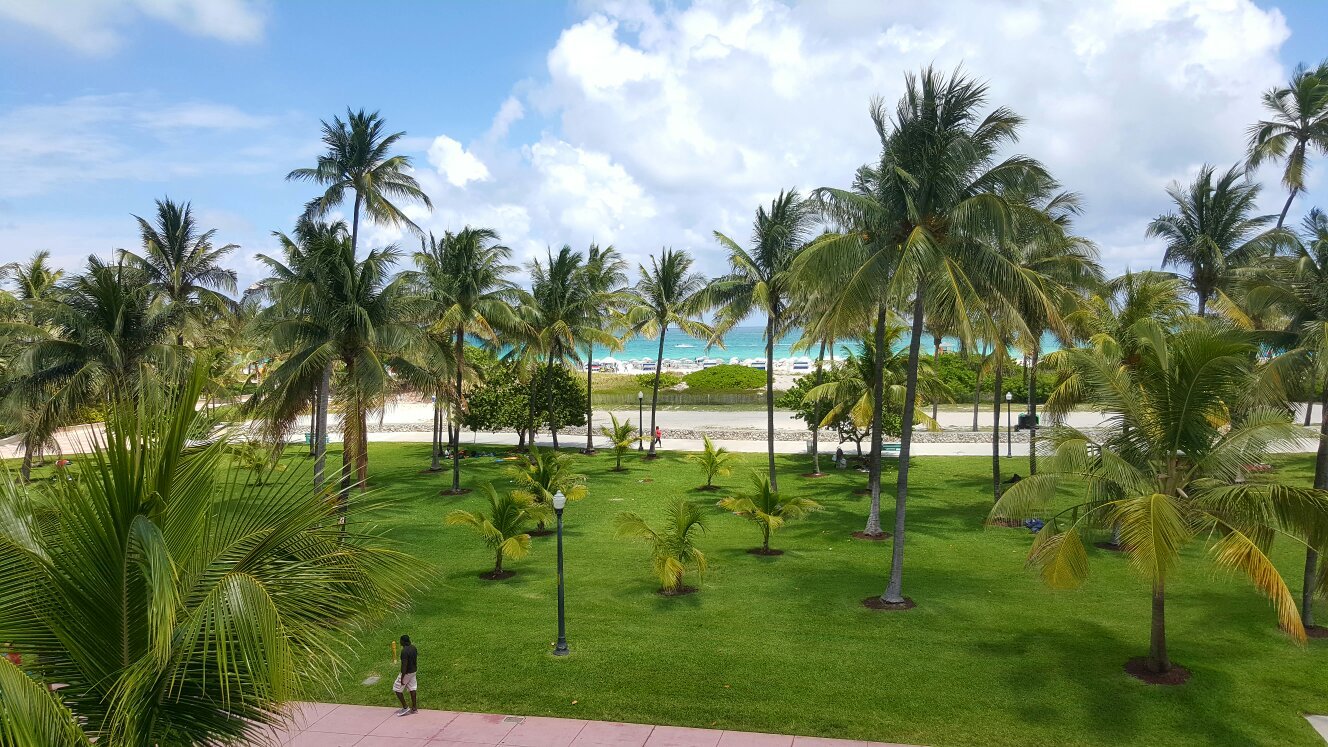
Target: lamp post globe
x,y
640,413
560,648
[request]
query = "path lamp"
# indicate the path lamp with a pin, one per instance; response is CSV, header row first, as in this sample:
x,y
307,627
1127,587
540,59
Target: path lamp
x,y
560,649
640,413
1009,442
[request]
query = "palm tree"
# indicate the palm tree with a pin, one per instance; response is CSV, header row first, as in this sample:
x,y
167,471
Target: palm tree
x,y
605,278
1213,230
762,280
27,410
672,547
171,603
1297,125
431,368
182,266
668,293
768,510
545,473
621,437
35,279
1169,475
712,461
358,158
464,275
503,529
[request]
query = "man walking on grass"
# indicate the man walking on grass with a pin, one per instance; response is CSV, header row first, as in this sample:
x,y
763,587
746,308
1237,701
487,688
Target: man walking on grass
x,y
406,680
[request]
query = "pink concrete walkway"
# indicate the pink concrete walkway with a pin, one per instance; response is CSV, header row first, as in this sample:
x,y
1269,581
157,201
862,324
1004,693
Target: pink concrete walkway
x,y
329,725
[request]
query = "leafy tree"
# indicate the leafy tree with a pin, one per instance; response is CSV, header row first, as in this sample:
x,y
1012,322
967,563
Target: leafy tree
x,y
500,400
171,603
1171,475
761,280
668,294
714,462
503,529
1297,124
621,435
182,266
768,510
672,547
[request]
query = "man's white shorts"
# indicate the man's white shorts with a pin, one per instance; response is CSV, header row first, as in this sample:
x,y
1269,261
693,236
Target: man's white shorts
x,y
404,682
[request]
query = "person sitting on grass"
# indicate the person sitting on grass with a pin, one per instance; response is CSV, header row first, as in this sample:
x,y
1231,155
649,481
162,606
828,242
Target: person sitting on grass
x,y
406,679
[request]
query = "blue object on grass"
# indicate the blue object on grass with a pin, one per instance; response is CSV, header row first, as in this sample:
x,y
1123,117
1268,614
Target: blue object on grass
x,y
1034,525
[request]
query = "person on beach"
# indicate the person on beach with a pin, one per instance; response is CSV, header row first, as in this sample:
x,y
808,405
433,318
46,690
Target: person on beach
x,y
659,436
406,679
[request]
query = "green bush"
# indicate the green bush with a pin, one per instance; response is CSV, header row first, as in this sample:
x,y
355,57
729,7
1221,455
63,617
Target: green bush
x,y
725,378
666,379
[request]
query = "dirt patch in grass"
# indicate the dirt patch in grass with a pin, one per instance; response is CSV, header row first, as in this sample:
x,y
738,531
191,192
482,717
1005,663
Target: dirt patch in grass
x,y
871,537
1316,631
875,603
812,475
458,491
684,591
1138,668
1007,523
497,575
772,552
1109,546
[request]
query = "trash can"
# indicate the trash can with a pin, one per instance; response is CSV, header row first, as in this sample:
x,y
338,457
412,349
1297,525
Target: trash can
x,y
308,439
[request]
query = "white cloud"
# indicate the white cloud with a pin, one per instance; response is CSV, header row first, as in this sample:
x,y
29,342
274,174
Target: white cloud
x,y
458,165
96,26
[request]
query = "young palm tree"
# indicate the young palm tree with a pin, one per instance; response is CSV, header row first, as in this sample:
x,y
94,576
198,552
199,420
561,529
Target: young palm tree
x,y
1297,125
1214,230
672,547
622,436
464,275
606,282
714,462
668,293
544,473
359,159
503,529
762,280
171,603
182,266
1169,475
768,510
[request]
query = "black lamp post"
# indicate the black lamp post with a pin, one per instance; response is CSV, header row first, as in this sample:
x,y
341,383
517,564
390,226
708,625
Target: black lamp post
x,y
640,413
1009,439
560,649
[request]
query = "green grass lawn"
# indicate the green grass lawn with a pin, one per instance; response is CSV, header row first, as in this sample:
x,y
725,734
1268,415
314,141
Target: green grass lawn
x,y
989,656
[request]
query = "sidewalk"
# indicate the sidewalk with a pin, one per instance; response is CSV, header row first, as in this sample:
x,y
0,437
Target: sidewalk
x,y
330,725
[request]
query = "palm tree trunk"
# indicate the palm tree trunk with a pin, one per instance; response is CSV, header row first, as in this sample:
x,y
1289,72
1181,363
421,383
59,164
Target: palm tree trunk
x,y
936,360
25,469
894,593
873,528
654,390
816,414
977,385
362,450
455,436
1032,407
1308,587
765,538
996,429
548,400
320,427
1203,302
534,395
770,398
590,400
436,437
1282,217
355,225
1158,661
1309,412
313,424
498,562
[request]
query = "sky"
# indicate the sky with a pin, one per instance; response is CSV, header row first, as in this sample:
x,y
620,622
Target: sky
x,y
629,123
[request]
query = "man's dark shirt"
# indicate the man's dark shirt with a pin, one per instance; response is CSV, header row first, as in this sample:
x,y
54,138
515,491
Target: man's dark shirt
x,y
408,655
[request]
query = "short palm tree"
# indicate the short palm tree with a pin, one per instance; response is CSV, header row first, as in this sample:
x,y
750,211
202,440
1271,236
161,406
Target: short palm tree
x,y
1170,474
713,461
545,473
358,158
503,529
668,294
622,436
762,280
182,266
765,507
672,547
1214,230
606,282
1297,124
168,602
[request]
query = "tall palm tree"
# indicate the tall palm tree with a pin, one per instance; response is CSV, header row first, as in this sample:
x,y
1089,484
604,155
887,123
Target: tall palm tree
x,y
1296,126
35,278
606,281
668,293
168,602
1169,475
464,276
25,409
1213,230
762,280
930,203
358,158
182,266
431,367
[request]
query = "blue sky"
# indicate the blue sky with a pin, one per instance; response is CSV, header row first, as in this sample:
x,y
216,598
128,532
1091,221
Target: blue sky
x,y
642,125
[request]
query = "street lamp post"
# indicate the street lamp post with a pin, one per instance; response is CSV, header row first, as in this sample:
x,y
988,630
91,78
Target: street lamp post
x,y
560,649
640,413
1009,439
